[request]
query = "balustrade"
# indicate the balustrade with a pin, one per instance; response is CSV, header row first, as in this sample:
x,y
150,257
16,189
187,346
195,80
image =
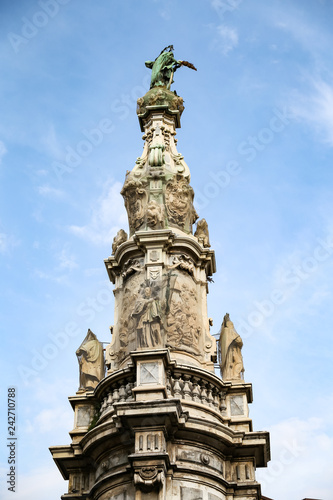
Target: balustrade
x,y
179,384
197,389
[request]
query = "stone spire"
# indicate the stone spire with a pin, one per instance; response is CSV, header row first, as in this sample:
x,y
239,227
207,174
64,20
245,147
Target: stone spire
x,y
161,272
161,424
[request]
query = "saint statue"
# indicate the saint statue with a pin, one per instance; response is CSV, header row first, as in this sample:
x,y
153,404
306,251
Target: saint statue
x,y
147,312
164,67
231,359
91,362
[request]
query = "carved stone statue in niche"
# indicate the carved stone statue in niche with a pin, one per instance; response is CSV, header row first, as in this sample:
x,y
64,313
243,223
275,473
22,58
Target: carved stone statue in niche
x,y
135,197
231,359
91,361
178,200
202,233
183,262
120,238
155,215
147,312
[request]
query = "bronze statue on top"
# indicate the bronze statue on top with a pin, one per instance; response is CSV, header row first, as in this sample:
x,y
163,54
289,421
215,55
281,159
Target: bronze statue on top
x,y
164,67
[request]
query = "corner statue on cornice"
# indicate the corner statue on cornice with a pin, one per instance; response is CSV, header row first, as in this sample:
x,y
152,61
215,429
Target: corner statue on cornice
x,y
163,68
230,351
91,362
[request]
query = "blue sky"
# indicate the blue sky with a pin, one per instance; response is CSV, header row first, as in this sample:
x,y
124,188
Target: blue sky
x,y
257,134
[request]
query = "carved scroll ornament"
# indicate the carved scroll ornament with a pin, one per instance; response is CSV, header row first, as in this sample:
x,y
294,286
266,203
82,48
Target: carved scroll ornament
x,y
148,477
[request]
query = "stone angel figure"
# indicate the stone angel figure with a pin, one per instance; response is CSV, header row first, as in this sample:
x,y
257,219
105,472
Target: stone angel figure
x,y
91,362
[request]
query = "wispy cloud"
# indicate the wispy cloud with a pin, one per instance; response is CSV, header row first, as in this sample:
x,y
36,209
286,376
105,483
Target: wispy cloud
x,y
107,216
66,262
225,39
66,259
51,142
7,242
49,420
61,280
299,446
50,192
302,29
315,107
30,483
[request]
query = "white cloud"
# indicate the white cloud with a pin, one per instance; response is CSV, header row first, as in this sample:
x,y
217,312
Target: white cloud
x,y
38,484
66,259
66,263
108,216
41,172
300,449
3,150
7,242
50,192
226,39
61,280
50,420
51,143
316,108
303,30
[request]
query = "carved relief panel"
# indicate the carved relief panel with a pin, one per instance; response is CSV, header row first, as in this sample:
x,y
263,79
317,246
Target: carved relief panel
x,y
160,305
183,322
179,203
142,309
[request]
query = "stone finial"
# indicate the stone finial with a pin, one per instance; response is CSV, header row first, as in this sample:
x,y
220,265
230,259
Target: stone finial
x,y
91,362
